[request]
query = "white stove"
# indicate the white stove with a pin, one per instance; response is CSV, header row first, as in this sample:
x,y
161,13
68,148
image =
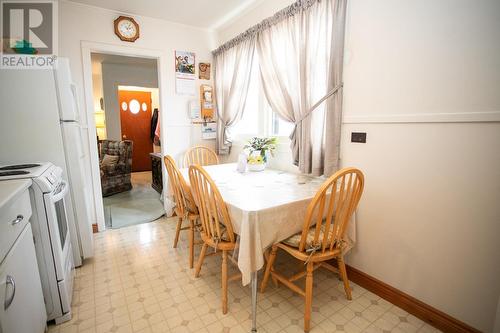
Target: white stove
x,y
46,174
49,194
19,171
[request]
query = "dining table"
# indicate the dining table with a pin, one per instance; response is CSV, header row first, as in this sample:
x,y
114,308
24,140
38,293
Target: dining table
x,y
265,207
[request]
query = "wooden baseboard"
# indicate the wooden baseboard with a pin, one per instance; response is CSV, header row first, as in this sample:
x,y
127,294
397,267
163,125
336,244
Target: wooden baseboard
x,y
419,309
95,228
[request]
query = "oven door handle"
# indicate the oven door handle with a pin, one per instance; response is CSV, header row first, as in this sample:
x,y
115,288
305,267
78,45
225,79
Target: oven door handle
x,y
62,192
8,300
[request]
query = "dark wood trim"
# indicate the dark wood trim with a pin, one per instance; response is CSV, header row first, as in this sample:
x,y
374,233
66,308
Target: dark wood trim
x,y
419,309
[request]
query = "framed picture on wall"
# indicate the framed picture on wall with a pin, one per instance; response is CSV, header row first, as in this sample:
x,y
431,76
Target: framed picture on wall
x,y
184,65
204,71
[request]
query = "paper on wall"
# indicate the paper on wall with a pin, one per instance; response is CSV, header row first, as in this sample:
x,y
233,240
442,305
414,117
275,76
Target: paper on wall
x,y
194,110
185,87
208,131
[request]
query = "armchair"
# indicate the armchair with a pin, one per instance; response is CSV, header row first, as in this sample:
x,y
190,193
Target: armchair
x,y
115,177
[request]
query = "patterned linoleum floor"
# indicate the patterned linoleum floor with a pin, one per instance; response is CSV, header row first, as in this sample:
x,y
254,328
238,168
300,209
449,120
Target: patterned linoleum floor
x,y
138,283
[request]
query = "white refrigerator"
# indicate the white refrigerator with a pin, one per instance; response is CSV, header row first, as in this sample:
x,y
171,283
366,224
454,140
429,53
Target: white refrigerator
x,y
40,122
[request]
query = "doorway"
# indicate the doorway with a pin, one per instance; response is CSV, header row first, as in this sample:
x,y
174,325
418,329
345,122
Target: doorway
x,y
126,103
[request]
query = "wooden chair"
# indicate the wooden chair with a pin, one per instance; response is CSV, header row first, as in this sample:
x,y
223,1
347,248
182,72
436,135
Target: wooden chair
x,y
216,227
185,207
323,235
200,155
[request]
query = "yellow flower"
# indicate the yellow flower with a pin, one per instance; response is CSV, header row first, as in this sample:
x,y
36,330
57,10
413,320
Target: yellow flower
x,y
255,159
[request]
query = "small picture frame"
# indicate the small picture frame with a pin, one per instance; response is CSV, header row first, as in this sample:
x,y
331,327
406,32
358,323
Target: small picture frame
x,y
204,71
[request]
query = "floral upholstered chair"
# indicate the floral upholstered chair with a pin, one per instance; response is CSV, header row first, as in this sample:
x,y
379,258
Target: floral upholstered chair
x,y
116,165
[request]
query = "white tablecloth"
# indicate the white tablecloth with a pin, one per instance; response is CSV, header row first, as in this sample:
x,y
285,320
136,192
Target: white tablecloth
x,y
265,207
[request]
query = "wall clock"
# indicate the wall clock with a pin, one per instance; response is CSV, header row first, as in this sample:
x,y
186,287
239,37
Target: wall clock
x,y
126,28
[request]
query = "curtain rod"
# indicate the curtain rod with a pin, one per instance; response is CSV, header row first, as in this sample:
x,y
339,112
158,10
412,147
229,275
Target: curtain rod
x,y
293,9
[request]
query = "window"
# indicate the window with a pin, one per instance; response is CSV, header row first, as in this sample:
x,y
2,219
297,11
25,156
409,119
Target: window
x,y
279,126
258,118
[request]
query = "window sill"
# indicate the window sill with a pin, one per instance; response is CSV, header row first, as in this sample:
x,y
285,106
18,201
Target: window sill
x,y
283,145
242,139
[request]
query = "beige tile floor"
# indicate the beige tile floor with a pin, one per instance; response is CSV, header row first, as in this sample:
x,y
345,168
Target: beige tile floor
x,y
138,283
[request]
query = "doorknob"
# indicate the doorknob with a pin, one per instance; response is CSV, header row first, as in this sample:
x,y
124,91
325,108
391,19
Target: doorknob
x,y
124,136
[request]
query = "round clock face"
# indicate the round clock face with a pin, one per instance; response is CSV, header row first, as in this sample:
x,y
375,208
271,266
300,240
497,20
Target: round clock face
x,y
127,29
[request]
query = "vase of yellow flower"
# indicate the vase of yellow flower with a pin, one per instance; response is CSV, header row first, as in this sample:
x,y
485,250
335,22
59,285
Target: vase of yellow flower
x,y
259,150
256,162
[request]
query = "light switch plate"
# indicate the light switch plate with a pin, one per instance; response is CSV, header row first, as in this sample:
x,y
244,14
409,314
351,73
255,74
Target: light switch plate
x,y
358,137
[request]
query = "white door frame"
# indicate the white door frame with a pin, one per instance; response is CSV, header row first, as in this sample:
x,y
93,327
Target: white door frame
x,y
129,51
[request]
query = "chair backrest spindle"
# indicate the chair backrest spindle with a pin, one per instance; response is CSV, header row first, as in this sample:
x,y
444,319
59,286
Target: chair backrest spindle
x,y
200,155
212,208
331,209
184,202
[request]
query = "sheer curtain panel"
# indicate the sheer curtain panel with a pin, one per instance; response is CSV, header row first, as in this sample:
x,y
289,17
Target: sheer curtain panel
x,y
301,58
233,68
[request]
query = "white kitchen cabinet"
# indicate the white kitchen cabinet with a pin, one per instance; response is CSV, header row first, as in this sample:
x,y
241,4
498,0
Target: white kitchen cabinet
x,y
21,301
22,308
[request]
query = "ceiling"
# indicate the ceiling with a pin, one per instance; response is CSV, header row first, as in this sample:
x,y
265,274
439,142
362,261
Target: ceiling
x,y
99,58
208,14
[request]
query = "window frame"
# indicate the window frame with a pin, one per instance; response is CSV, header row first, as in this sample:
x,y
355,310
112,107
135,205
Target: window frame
x,y
264,121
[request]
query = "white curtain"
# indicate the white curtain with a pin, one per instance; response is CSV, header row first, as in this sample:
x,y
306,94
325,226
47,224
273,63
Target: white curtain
x,y
301,60
233,67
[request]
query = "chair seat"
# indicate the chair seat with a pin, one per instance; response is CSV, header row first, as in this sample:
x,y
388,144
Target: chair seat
x,y
294,240
224,235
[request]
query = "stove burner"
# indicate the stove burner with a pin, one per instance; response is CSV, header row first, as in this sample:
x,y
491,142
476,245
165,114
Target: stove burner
x,y
19,166
13,173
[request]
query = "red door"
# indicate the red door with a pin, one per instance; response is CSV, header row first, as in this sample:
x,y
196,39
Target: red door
x,y
135,119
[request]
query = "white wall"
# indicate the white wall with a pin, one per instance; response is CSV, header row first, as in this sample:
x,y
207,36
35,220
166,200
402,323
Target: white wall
x,y
114,75
431,187
410,58
97,90
429,218
80,23
420,76
98,94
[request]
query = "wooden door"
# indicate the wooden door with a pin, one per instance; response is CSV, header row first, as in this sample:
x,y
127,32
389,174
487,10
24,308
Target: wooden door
x,y
135,119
